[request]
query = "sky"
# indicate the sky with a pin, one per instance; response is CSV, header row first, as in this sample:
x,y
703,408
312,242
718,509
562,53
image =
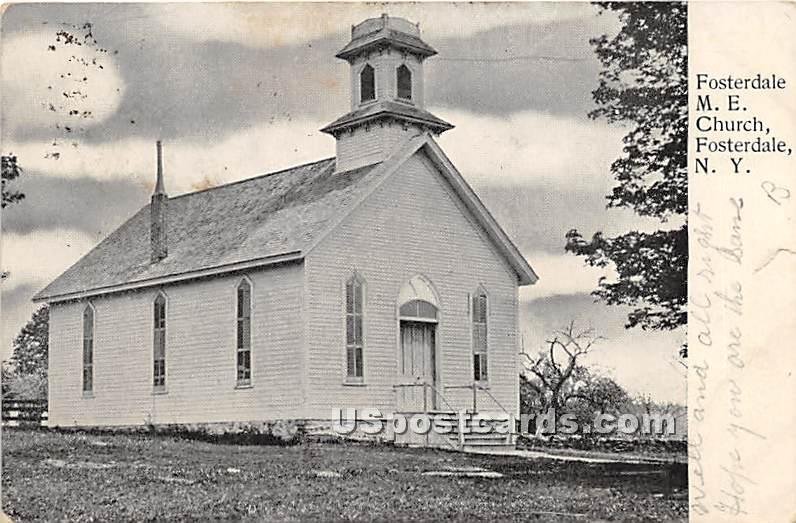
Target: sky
x,y
236,90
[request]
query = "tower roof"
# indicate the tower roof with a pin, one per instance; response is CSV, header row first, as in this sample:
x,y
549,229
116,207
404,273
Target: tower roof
x,y
386,109
385,31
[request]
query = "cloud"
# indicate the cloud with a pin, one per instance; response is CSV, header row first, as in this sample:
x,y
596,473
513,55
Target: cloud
x,y
33,260
276,25
32,81
36,259
86,204
644,362
189,165
562,275
530,147
524,148
17,309
235,83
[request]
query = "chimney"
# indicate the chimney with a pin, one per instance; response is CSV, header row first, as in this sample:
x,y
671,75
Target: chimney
x,y
157,214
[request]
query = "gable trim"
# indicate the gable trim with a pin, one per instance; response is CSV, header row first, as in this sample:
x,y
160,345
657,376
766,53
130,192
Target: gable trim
x,y
482,215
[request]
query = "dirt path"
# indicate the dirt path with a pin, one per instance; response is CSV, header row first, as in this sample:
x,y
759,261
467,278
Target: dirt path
x,y
585,456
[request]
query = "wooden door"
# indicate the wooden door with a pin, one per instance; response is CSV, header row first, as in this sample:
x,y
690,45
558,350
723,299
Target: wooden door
x,y
417,365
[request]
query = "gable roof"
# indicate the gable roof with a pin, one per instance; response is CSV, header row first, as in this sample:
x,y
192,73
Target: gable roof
x,y
258,221
501,240
426,143
273,218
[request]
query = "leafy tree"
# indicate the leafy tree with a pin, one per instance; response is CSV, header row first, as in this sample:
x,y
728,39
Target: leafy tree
x,y
7,376
10,172
32,344
602,394
25,386
25,374
643,85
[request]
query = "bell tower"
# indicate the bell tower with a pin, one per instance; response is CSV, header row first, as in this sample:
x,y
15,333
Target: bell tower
x,y
386,56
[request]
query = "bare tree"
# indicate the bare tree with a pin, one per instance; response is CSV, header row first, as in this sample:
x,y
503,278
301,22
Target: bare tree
x,y
555,373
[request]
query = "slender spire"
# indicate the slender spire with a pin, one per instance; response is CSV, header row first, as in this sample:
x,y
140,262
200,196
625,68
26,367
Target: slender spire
x,y
159,188
157,214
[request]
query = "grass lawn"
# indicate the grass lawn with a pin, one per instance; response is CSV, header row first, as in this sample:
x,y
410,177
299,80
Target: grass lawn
x,y
56,476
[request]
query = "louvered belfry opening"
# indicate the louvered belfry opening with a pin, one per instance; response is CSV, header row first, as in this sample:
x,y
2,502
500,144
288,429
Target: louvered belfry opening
x,y
386,56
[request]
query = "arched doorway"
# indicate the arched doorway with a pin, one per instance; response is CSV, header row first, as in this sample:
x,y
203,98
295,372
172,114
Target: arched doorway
x,y
418,317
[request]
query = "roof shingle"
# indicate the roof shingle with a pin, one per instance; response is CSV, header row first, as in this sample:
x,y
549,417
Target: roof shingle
x,y
269,215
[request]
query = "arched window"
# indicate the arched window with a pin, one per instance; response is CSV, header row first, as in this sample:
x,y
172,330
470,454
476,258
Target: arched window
x,y
354,339
417,289
88,348
244,333
418,310
367,84
480,338
404,81
159,343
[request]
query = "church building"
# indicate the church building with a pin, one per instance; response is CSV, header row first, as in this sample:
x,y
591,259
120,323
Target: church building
x,y
376,279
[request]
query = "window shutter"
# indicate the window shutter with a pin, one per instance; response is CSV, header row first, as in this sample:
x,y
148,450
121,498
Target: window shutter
x,y
354,329
243,326
480,334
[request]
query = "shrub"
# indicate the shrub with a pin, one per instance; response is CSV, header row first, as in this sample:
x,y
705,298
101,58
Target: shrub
x,y
32,386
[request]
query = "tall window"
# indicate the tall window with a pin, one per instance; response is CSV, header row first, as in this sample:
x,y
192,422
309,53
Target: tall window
x,y
88,349
367,84
244,344
353,322
159,352
404,81
479,320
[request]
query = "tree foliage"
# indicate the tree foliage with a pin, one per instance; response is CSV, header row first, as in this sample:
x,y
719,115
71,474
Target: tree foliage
x,y
25,386
31,345
643,85
25,374
10,172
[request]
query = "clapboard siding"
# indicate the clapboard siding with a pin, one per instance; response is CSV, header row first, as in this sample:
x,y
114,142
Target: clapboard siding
x,y
368,145
358,148
412,224
200,354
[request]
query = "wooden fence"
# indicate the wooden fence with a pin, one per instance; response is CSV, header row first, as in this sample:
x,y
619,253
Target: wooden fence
x,y
24,413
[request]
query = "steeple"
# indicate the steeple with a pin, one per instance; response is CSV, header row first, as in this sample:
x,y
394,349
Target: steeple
x,y
157,214
386,56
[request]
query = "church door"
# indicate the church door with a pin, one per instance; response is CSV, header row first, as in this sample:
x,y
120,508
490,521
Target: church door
x,y
417,366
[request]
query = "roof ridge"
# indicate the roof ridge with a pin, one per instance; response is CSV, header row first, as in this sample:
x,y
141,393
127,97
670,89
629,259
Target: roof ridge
x,y
255,177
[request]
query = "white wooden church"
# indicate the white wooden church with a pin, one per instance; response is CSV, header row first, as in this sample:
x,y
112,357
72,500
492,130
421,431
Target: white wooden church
x,y
376,278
